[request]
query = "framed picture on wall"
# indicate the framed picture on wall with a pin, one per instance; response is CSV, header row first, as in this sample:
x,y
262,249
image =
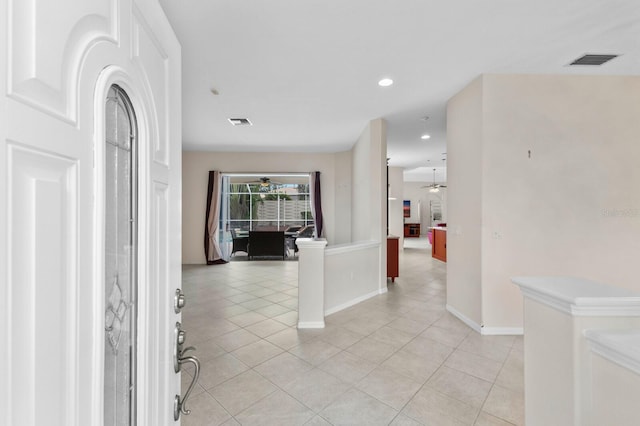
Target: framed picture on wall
x,y
406,208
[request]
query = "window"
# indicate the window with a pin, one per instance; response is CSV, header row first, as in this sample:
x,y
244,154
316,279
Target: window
x,y
275,202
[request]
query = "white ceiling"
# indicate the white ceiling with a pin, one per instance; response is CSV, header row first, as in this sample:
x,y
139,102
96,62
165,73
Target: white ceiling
x,y
305,72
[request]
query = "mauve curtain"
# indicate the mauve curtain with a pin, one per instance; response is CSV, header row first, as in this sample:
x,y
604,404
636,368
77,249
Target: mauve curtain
x,y
212,250
316,203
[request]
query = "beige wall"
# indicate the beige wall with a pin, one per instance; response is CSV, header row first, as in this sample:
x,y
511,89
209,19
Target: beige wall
x,y
572,208
464,206
396,221
196,166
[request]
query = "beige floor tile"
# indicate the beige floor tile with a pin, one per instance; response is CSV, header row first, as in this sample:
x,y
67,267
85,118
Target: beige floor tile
x,y
340,337
257,352
236,339
242,297
278,408
316,389
208,349
347,367
429,349
220,369
288,318
512,374
392,336
205,411
229,311
262,292
409,325
266,328
273,310
291,303
411,365
464,387
505,404
317,421
449,337
485,419
283,369
389,387
361,347
357,408
288,338
475,365
402,420
276,297
372,350
430,407
485,346
315,351
364,326
246,319
255,304
239,393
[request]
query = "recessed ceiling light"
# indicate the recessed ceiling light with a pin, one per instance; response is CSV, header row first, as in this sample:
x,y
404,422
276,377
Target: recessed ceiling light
x,y
385,82
425,136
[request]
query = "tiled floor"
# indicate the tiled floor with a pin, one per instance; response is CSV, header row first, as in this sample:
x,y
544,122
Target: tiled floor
x,y
399,358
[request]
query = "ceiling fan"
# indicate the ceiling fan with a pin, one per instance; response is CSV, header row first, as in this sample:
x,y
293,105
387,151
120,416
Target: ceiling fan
x,y
265,184
434,187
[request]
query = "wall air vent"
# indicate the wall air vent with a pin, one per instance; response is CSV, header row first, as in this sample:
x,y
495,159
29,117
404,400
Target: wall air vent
x,y
240,121
593,59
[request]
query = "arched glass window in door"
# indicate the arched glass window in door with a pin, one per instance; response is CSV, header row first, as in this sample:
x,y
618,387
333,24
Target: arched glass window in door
x,y
120,259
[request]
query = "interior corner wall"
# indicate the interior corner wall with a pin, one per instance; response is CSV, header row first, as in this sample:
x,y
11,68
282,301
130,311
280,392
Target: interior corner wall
x,y
369,183
464,204
396,219
195,169
559,185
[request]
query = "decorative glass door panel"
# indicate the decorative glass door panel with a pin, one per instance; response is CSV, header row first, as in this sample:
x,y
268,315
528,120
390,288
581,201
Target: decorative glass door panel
x,y
120,260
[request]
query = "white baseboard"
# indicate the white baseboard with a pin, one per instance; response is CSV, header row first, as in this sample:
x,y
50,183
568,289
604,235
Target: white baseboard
x,y
502,331
352,302
311,324
486,331
465,319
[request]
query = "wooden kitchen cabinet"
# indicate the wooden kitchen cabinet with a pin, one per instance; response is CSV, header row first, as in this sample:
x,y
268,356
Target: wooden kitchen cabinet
x,y
393,248
439,244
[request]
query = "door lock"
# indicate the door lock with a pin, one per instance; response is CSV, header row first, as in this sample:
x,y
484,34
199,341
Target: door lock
x,y
178,301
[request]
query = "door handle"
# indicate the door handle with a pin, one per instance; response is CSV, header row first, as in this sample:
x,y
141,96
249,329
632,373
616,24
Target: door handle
x,y
179,358
179,404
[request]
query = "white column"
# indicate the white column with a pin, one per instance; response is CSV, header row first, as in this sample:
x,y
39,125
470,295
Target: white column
x,y
557,372
311,282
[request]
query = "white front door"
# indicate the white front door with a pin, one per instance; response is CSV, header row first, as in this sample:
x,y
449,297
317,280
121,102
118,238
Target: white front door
x,y
61,319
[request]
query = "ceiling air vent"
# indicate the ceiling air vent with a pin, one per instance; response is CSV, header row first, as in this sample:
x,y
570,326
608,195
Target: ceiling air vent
x,y
240,121
593,59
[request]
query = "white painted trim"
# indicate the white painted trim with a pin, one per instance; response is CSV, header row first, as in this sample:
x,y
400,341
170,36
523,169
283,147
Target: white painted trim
x,y
352,302
350,247
383,290
311,324
465,319
502,331
621,347
579,297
